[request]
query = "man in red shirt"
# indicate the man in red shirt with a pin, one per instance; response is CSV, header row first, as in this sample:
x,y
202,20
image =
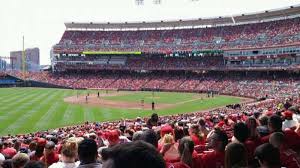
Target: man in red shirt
x,y
240,135
50,156
288,157
8,151
214,158
292,140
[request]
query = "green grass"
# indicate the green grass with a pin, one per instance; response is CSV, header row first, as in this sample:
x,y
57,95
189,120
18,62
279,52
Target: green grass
x,y
24,110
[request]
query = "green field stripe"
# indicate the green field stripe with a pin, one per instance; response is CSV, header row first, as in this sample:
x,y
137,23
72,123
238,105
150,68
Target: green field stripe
x,y
53,113
88,114
98,114
78,116
12,102
12,93
27,120
47,116
41,111
24,115
16,107
107,114
94,113
24,121
18,97
74,114
59,115
66,117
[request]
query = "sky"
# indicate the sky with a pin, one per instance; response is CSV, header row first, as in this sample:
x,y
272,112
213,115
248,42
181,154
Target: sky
x,y
42,21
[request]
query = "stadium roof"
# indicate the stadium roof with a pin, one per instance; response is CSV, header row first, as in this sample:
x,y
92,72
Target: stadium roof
x,y
268,15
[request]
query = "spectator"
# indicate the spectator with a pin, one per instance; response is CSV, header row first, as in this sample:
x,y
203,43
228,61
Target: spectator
x,y
197,136
186,148
132,155
20,160
203,128
39,150
240,133
2,158
7,163
252,128
289,123
153,121
288,157
268,156
263,129
151,137
137,136
8,151
275,123
87,153
113,137
217,141
35,164
50,156
236,156
169,149
69,153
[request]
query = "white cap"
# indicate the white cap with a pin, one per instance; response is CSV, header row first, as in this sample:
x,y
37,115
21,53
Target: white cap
x,y
2,158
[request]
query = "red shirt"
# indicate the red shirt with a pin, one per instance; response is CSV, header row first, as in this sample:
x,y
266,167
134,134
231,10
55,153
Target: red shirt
x,y
291,139
50,159
10,152
250,146
289,158
197,141
213,159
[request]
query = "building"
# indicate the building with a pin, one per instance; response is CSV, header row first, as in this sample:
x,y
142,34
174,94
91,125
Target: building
x,y
32,62
3,65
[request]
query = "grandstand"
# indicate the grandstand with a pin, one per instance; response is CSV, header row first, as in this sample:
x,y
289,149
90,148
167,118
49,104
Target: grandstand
x,y
268,39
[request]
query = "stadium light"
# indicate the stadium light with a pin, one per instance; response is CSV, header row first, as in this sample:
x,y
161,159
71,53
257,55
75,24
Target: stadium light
x,y
139,2
157,2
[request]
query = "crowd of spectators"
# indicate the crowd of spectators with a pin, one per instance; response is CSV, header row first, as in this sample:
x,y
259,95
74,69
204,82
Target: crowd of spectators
x,y
266,34
251,85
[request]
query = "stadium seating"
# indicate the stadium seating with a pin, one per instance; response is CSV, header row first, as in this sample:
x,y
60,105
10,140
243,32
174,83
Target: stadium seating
x,y
254,85
264,34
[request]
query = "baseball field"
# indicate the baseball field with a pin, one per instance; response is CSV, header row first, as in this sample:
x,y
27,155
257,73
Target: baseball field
x,y
24,110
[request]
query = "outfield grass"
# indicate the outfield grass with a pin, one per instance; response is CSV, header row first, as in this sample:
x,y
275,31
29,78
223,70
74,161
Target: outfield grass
x,y
24,110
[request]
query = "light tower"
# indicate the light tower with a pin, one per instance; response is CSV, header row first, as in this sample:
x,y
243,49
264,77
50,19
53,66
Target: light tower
x,y
139,2
157,2
23,58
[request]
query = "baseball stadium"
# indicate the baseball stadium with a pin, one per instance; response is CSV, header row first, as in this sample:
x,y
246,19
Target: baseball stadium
x,y
200,93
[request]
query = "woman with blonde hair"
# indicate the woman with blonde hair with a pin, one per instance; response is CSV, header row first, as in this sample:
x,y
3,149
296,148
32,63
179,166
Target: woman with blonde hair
x,y
68,155
169,149
196,135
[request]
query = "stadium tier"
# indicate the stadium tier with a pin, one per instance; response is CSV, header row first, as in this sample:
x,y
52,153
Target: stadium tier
x,y
271,44
266,34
